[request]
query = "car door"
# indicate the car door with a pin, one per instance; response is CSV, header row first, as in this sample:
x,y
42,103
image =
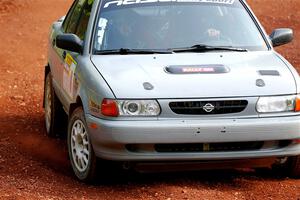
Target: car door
x,y
75,24
56,60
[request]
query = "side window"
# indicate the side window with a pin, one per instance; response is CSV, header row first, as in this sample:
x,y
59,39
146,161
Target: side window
x,y
72,24
84,19
68,16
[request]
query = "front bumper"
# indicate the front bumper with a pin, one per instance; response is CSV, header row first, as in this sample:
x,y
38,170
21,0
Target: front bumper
x,y
111,137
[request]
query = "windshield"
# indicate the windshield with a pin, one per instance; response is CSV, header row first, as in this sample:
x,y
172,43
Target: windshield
x,y
153,24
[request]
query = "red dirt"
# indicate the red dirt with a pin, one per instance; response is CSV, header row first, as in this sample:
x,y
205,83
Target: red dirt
x,y
33,166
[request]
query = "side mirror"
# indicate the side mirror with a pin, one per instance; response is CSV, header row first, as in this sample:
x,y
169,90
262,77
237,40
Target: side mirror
x,y
281,36
70,42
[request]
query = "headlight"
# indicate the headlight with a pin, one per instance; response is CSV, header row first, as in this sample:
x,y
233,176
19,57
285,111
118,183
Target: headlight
x,y
138,107
115,108
278,104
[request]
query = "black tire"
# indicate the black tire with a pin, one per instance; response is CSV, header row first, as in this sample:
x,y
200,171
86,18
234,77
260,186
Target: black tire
x,y
294,166
56,126
290,167
87,174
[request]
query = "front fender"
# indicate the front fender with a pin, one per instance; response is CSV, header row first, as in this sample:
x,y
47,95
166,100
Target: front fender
x,y
92,88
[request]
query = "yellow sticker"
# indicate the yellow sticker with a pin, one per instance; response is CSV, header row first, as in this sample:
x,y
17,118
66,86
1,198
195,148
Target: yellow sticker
x,y
69,60
68,75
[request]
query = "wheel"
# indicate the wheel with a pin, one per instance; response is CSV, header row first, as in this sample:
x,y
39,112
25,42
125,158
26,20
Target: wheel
x,y
55,117
294,166
82,156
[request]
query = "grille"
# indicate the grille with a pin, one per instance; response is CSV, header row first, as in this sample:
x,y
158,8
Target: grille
x,y
212,147
208,107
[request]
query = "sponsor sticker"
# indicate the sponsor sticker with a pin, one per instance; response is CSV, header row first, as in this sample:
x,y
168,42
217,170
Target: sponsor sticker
x,y
197,69
101,31
130,2
68,74
94,107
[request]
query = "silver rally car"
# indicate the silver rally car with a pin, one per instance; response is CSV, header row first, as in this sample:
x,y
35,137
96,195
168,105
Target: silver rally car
x,y
166,83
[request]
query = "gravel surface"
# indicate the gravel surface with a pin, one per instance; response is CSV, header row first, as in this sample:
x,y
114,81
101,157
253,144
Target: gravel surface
x,y
33,166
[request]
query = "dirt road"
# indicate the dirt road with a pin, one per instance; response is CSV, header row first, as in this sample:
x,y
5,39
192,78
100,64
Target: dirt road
x,y
32,166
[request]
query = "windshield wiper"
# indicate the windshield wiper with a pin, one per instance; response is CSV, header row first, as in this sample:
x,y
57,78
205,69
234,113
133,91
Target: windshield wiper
x,y
124,51
205,48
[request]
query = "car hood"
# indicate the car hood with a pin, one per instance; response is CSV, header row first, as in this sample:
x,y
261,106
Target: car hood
x,y
248,74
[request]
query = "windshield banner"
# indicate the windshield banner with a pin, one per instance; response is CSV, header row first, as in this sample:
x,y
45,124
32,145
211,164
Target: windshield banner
x,y
120,3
